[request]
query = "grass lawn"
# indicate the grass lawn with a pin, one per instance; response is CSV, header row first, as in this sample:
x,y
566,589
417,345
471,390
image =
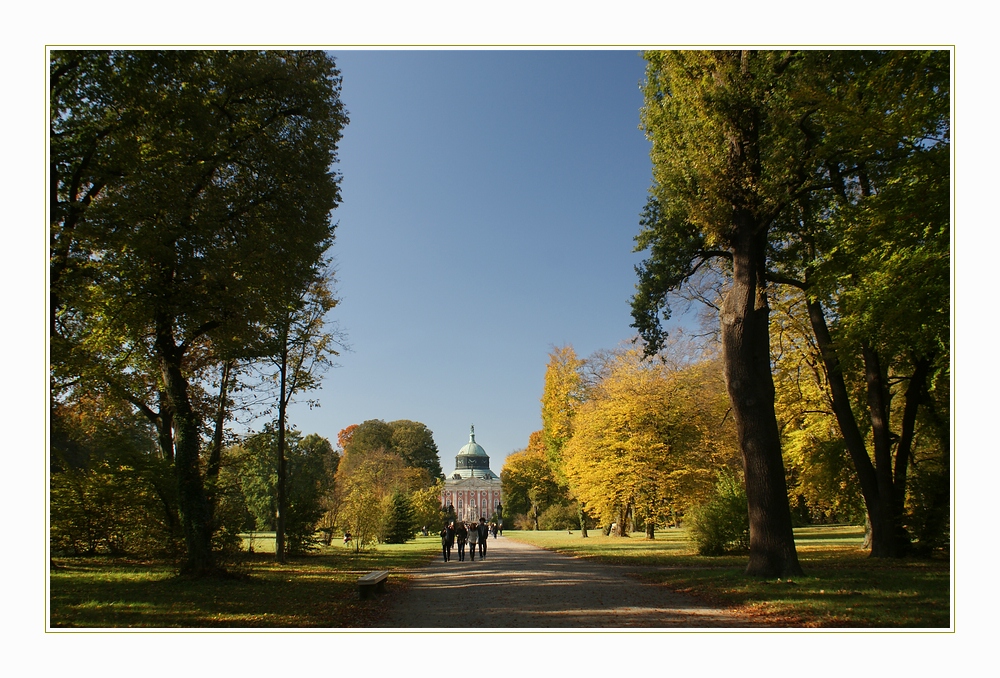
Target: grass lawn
x,y
318,590
841,587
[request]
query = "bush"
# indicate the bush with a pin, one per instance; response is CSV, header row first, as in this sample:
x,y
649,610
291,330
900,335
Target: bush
x,y
928,516
521,521
109,509
559,517
723,524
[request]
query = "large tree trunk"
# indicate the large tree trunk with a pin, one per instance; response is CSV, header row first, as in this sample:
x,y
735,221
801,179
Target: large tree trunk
x,y
196,522
747,366
583,521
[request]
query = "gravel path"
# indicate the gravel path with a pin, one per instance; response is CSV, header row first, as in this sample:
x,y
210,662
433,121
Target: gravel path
x,y
523,586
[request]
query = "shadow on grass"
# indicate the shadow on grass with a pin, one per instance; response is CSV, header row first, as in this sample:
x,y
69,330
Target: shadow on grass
x,y
308,592
842,586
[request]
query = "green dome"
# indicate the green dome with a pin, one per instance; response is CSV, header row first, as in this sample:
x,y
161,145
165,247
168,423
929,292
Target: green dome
x,y
472,460
472,448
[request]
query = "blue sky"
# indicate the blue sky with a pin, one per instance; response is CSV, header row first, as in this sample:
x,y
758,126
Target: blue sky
x,y
490,202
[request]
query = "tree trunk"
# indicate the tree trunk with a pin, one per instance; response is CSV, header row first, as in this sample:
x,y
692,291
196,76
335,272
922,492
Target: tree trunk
x,y
894,540
196,521
583,522
279,536
747,366
215,457
878,533
165,428
650,529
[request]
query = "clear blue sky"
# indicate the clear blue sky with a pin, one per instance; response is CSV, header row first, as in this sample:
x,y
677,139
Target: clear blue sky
x,y
490,202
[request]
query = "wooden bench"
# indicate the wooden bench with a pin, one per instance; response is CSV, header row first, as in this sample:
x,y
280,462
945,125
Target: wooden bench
x,y
372,581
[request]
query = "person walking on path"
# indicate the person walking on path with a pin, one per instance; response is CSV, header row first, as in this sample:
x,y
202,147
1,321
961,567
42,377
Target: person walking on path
x,y
484,531
447,539
473,540
461,535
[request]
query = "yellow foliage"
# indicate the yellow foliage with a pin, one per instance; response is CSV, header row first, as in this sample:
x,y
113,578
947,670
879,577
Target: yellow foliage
x,y
650,437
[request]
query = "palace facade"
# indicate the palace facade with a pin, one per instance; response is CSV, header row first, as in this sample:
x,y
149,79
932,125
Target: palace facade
x,y
473,490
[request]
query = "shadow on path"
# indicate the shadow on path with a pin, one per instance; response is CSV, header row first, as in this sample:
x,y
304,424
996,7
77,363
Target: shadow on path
x,y
523,586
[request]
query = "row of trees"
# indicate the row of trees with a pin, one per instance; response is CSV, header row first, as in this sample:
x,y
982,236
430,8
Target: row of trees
x,y
388,483
819,179
190,204
804,197
374,493
624,441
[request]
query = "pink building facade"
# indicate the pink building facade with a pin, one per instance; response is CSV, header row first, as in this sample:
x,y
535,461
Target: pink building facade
x,y
473,490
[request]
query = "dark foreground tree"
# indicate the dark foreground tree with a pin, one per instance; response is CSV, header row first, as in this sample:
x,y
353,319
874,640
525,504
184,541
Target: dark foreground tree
x,y
187,188
871,254
828,172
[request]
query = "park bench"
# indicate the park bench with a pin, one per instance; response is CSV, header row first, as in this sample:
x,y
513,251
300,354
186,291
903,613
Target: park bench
x,y
372,581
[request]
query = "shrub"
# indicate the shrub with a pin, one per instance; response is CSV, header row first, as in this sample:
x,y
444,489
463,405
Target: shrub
x,y
723,524
928,515
110,508
521,521
559,517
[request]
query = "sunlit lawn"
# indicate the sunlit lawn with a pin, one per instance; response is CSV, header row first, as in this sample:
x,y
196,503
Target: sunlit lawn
x,y
314,591
841,587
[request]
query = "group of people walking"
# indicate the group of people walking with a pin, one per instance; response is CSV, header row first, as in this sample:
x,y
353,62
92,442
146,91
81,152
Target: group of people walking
x,y
463,534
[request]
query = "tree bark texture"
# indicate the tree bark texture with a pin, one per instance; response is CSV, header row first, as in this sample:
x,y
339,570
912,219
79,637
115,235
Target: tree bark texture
x,y
196,523
882,483
747,366
895,541
215,457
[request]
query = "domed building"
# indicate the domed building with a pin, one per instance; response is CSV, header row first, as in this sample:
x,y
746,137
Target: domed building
x,y
473,490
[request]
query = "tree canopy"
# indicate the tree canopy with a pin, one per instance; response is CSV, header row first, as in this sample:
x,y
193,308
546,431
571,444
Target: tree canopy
x,y
190,191
826,171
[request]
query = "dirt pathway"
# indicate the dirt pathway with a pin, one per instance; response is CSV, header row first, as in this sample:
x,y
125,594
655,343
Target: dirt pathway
x,y
523,586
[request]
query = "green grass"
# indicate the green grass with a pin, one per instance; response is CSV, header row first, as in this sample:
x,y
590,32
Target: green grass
x,y
313,591
841,587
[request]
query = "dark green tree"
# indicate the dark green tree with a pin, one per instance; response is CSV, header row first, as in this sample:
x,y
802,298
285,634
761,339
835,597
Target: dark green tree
x,y
871,256
188,188
368,436
414,442
411,440
308,462
400,525
826,171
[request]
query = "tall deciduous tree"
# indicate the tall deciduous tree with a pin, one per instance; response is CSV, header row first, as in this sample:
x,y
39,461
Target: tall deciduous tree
x,y
411,440
187,188
731,150
871,256
826,171
527,480
302,351
648,441
561,397
414,442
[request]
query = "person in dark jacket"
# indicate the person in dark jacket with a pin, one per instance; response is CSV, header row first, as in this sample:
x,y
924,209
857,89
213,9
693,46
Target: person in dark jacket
x,y
461,535
484,531
447,540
